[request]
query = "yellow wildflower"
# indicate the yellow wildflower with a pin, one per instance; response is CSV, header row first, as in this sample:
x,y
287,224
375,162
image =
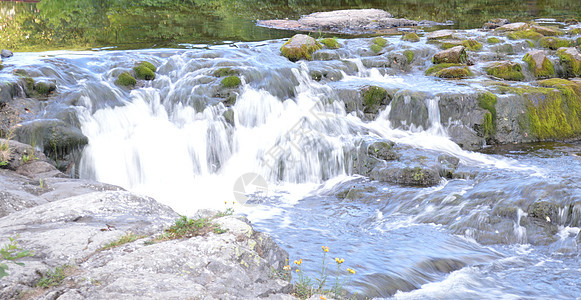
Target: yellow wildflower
x,y
299,262
325,248
351,271
322,298
286,268
339,261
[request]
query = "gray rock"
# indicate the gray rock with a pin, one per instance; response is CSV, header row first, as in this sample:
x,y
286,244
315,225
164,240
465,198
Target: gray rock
x,y
440,35
409,108
513,27
238,264
6,53
454,55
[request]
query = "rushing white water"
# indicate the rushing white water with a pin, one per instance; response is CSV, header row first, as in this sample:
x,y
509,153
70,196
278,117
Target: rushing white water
x,y
160,145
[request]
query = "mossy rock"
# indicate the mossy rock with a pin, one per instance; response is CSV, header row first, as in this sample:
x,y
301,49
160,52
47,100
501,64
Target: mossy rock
x,y
379,41
143,71
330,43
488,101
225,72
447,44
376,48
148,65
570,60
300,46
436,68
125,79
409,54
373,98
454,71
554,43
539,64
579,41
456,55
507,70
553,109
493,40
410,37
524,34
231,82
44,88
574,31
547,31
472,45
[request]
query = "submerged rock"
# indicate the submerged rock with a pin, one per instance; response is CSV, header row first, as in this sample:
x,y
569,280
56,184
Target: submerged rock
x,y
300,46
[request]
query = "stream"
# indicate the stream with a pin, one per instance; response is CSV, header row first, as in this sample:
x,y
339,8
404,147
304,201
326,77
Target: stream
x,y
465,238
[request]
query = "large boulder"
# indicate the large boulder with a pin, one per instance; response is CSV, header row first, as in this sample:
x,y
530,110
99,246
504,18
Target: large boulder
x,y
454,55
507,70
71,234
300,46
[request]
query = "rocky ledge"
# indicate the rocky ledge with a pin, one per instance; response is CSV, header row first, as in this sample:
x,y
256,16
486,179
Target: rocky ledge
x,y
95,241
352,22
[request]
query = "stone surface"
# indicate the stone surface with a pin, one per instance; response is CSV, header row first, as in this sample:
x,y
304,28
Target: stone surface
x,y
6,53
352,21
440,35
454,55
539,64
513,27
300,46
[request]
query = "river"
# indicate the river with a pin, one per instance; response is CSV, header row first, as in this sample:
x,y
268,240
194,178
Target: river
x,y
470,237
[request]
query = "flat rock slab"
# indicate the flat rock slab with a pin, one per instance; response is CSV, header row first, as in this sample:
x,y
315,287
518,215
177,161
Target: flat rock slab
x,y
352,21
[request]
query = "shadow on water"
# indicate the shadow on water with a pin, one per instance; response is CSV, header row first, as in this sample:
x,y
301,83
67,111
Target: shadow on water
x,y
131,24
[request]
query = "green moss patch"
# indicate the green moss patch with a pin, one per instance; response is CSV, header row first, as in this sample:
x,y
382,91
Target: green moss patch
x,y
224,72
436,68
410,37
376,48
379,41
231,82
506,70
553,110
409,54
575,31
524,34
144,71
493,40
472,45
296,51
373,97
455,72
125,79
546,70
554,43
330,43
488,101
43,88
571,65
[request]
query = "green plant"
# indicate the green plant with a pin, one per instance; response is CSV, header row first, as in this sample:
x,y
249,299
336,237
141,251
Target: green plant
x,y
10,253
53,277
27,157
124,239
185,227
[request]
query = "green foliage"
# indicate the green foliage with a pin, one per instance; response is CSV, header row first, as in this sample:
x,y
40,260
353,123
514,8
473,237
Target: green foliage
x,y
10,253
493,40
124,239
409,54
143,71
5,153
373,97
379,41
546,70
53,277
330,43
524,34
26,158
410,37
125,79
554,43
185,227
231,82
506,70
